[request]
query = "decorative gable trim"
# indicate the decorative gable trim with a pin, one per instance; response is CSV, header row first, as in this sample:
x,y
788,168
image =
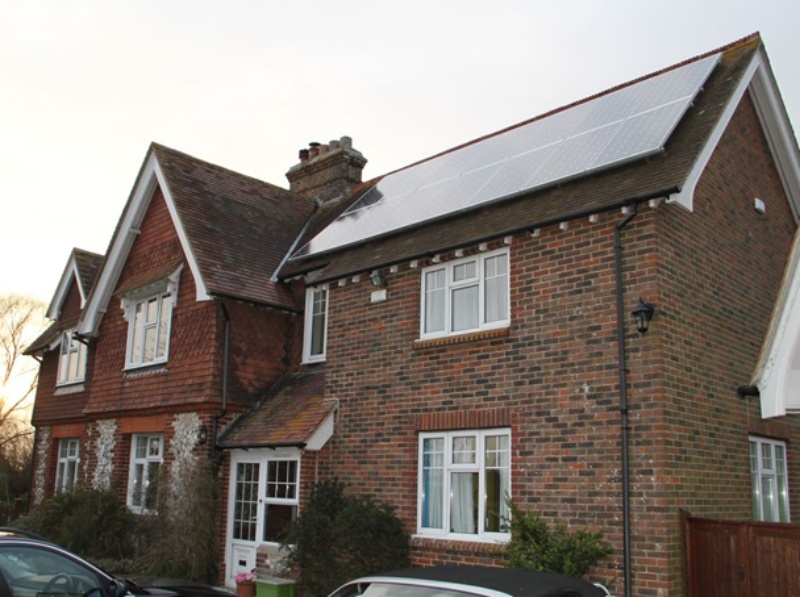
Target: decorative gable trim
x,y
759,80
71,273
150,178
778,371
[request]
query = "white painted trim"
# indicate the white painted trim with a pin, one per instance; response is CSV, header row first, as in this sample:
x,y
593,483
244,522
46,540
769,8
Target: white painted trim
x,y
128,229
70,273
777,374
758,79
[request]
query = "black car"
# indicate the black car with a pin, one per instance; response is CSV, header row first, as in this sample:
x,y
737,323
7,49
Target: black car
x,y
469,581
32,567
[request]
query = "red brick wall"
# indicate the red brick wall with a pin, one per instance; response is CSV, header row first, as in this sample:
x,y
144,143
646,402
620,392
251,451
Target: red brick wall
x,y
713,275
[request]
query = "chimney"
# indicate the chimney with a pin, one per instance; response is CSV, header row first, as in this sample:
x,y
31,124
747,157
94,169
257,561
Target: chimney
x,y
327,171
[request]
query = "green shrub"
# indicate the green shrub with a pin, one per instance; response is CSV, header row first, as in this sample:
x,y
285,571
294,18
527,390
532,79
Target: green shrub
x,y
338,537
92,523
535,546
180,540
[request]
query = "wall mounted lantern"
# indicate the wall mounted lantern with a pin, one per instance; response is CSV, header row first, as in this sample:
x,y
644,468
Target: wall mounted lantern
x,y
643,313
202,434
377,279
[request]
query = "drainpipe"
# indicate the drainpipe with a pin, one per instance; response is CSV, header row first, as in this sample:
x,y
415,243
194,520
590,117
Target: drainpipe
x,y
225,354
623,397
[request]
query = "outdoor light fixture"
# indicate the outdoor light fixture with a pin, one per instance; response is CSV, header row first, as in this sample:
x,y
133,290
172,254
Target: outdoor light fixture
x,y
377,279
643,313
202,434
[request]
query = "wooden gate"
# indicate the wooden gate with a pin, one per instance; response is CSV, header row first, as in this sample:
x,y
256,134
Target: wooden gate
x,y
741,559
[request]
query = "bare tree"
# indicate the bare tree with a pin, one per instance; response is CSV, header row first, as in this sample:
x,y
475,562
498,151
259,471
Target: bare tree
x,y
22,319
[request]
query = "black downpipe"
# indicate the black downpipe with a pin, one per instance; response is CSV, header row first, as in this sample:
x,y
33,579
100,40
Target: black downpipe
x,y
623,397
225,353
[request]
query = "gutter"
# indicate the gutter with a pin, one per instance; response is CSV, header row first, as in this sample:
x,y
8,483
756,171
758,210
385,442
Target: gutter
x,y
585,213
224,399
623,396
623,378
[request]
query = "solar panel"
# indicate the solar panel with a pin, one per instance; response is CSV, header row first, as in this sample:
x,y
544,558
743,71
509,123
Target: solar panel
x,y
627,124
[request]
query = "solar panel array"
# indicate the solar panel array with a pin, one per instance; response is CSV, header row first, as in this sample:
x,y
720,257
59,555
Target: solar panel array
x,y
630,123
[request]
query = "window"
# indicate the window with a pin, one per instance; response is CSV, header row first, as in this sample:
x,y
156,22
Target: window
x,y
265,499
315,332
72,360
465,295
69,452
148,331
147,456
464,479
770,487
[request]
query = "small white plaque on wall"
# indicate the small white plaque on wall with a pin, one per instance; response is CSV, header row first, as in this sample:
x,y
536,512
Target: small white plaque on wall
x,y
378,296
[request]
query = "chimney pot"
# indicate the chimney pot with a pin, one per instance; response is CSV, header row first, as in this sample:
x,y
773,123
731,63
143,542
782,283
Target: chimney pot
x,y
346,142
303,155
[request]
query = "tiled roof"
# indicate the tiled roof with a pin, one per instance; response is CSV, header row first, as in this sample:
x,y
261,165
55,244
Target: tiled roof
x,y
239,228
45,339
88,265
594,193
289,416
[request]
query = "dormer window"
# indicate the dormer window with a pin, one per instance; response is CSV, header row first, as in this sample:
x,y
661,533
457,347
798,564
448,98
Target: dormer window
x,y
149,315
72,360
316,324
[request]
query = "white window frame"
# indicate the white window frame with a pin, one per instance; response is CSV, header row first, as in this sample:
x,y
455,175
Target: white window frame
x,y
165,293
451,285
71,360
312,313
135,494
448,468
263,482
769,471
69,459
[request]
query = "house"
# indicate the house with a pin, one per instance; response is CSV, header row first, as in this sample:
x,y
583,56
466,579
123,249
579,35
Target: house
x,y
460,330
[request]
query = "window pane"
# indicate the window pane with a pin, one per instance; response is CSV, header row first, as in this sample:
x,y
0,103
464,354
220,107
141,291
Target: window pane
x,y
496,482
768,498
152,310
464,449
246,502
136,340
435,296
136,485
465,271
278,519
432,482
465,308
163,326
149,345
496,288
318,323
463,503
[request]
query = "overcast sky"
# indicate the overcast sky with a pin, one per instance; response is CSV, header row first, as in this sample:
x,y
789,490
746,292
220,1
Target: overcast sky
x,y
85,86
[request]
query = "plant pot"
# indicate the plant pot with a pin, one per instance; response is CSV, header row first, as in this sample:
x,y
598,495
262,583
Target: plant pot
x,y
246,589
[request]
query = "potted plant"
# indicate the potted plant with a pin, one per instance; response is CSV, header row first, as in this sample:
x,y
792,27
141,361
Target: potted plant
x,y
245,584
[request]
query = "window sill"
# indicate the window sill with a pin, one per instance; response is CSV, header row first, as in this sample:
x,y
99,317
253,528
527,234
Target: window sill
x,y
476,545
134,372
463,338
71,388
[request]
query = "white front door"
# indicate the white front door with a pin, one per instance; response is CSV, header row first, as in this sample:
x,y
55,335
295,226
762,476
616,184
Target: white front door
x,y
263,499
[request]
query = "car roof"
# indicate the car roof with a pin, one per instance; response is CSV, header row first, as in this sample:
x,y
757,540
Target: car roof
x,y
513,582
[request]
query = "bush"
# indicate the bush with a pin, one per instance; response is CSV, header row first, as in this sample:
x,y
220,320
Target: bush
x,y
534,546
92,523
339,537
179,541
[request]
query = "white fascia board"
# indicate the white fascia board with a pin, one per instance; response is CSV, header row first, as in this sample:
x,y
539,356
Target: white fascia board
x,y
778,370
201,291
322,433
70,273
128,228
759,80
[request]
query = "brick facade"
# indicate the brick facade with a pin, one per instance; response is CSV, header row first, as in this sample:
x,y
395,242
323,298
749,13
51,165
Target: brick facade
x,y
553,378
